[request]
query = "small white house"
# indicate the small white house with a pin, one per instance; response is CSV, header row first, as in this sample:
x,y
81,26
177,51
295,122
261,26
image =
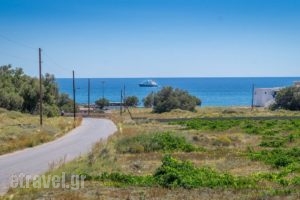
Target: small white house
x,y
264,97
297,83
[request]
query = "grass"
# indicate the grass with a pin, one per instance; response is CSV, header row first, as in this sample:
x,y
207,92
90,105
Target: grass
x,y
260,127
174,173
211,112
217,159
19,131
159,141
278,157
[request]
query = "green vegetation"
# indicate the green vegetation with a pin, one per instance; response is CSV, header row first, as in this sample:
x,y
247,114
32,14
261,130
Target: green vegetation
x,y
259,127
209,125
225,158
168,99
20,92
131,101
287,98
165,141
175,173
149,100
102,102
278,157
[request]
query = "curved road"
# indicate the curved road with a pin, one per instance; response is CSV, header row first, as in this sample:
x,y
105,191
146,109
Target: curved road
x,y
36,160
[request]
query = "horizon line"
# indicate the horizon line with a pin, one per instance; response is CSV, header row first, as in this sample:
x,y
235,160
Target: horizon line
x,y
178,77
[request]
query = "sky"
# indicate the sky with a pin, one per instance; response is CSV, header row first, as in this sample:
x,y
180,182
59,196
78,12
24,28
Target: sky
x,y
152,38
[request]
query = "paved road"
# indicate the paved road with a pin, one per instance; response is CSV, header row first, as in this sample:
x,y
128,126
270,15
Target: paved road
x,y
36,160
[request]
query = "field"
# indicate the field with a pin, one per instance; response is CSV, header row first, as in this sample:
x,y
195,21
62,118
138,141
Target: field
x,y
19,131
219,158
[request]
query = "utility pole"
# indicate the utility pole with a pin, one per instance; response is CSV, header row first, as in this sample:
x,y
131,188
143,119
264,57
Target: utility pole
x,y
121,103
41,95
74,98
252,100
124,97
89,92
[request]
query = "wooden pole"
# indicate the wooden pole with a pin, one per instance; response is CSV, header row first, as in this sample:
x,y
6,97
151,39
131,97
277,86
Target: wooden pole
x,y
121,103
252,100
41,92
74,97
89,92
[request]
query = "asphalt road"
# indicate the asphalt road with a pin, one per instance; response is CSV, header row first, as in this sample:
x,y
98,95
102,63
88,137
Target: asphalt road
x,y
37,160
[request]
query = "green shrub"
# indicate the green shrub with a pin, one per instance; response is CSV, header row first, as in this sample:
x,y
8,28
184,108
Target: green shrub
x,y
102,102
287,98
168,99
209,125
277,157
50,110
131,101
165,141
175,173
257,127
271,141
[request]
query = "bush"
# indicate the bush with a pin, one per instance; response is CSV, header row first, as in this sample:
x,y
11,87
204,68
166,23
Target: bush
x,y
168,99
209,125
287,98
271,141
174,173
102,102
149,100
258,127
131,101
277,157
165,141
65,103
50,110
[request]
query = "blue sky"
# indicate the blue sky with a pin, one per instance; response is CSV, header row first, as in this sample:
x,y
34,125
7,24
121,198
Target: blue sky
x,y
152,38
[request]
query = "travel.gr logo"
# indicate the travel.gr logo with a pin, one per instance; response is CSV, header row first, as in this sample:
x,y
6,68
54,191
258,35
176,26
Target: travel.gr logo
x,y
47,181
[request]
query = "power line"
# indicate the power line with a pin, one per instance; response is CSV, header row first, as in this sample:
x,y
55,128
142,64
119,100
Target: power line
x,y
17,43
56,63
51,60
17,57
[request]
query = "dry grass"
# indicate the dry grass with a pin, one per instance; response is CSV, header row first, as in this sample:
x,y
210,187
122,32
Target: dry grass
x,y
225,152
96,191
19,131
208,112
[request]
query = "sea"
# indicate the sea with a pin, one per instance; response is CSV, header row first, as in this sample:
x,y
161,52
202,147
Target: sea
x,y
217,92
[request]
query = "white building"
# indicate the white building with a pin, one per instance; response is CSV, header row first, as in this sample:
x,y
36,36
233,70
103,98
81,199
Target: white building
x,y
264,97
297,83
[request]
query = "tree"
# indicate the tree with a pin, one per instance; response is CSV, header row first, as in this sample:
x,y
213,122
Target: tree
x,y
168,99
287,98
65,103
102,102
149,100
21,92
131,101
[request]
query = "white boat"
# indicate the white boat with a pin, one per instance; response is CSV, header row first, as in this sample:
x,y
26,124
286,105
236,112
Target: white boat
x,y
148,83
